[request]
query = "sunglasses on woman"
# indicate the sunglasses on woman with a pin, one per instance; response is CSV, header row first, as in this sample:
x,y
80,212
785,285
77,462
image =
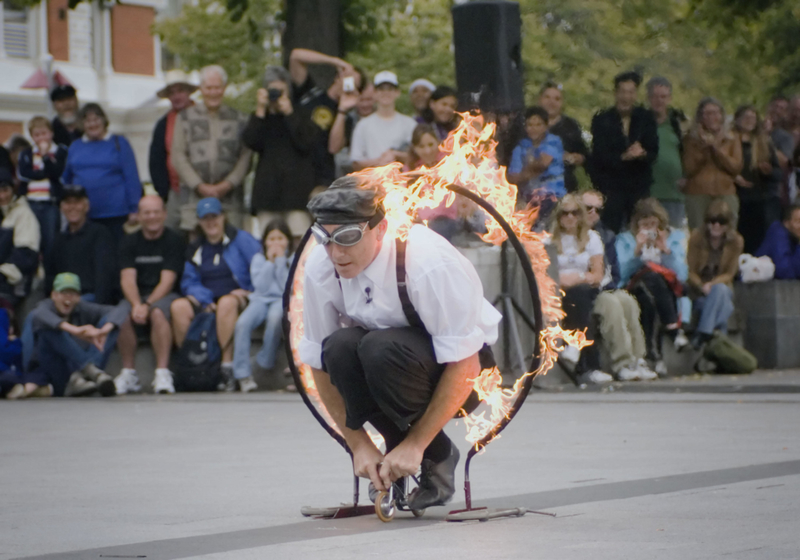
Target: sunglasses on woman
x,y
575,213
721,220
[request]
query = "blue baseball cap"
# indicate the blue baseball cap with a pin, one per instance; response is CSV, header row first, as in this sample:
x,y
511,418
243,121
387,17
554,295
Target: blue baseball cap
x,y
209,206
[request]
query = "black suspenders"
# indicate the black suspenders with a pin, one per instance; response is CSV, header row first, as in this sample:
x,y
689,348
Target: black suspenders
x,y
402,288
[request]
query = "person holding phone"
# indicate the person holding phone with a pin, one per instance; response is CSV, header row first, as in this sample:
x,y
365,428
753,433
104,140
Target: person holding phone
x,y
284,137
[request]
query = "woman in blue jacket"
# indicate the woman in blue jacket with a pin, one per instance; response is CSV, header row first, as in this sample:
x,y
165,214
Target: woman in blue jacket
x,y
104,164
216,278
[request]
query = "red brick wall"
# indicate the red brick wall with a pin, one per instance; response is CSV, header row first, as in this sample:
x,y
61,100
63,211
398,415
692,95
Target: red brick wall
x,y
132,48
58,29
7,128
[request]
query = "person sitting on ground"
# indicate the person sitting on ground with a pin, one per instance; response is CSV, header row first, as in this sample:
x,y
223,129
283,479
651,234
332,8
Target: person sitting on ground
x,y
67,125
40,169
12,381
653,268
419,92
83,248
441,112
384,136
782,245
216,279
617,312
19,242
269,271
151,261
713,257
580,272
405,369
72,340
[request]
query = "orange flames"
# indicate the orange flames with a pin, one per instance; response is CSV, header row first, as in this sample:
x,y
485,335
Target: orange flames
x,y
469,162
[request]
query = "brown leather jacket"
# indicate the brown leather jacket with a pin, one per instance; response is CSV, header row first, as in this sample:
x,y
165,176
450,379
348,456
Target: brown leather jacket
x,y
711,170
697,257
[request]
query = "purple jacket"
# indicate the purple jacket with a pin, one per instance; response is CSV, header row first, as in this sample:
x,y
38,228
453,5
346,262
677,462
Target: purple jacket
x,y
783,248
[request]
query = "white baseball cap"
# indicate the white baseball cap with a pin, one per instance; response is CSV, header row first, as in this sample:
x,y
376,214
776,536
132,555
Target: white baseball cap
x,y
422,82
386,77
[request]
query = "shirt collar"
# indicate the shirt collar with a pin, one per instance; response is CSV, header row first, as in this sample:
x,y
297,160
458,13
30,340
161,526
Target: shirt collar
x,y
105,137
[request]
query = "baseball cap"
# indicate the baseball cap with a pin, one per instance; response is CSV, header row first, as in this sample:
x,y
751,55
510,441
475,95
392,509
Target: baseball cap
x,y
386,77
427,84
67,281
73,191
209,206
62,92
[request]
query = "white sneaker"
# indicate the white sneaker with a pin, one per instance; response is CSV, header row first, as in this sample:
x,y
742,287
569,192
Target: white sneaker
x,y
644,371
163,382
628,374
681,341
661,368
596,377
127,382
247,385
569,357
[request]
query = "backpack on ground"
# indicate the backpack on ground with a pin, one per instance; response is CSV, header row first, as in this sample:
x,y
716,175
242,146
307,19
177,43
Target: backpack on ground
x,y
197,364
729,357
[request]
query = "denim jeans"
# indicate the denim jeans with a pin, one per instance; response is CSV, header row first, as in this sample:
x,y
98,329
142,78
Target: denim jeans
x,y
715,309
49,217
255,314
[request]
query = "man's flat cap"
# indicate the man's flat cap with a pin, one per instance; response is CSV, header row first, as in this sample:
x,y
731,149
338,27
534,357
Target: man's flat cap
x,y
62,92
346,201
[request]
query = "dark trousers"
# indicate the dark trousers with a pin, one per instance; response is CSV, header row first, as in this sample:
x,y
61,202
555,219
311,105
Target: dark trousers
x,y
755,217
658,303
577,303
49,217
386,377
619,207
114,226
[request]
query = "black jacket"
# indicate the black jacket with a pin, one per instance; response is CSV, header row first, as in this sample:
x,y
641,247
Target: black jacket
x,y
285,174
159,174
63,136
609,173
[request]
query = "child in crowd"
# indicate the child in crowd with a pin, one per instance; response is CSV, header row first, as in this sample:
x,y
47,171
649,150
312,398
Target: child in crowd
x,y
269,272
441,112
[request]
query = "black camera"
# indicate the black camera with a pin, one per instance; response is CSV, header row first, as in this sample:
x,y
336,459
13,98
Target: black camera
x,y
274,94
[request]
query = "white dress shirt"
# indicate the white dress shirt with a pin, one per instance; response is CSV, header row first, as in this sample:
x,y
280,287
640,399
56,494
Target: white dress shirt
x,y
442,284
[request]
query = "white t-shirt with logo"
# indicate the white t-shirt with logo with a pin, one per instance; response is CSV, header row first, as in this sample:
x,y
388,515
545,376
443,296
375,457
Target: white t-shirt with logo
x,y
571,260
374,135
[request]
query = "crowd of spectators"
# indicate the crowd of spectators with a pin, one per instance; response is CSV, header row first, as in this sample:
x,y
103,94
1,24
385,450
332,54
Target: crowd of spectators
x,y
651,248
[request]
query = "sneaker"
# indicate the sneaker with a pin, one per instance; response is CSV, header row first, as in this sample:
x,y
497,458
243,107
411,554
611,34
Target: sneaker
x,y
569,357
645,373
437,483
247,385
16,392
228,383
660,368
628,374
162,382
681,341
91,372
704,365
105,385
78,386
41,391
127,382
595,377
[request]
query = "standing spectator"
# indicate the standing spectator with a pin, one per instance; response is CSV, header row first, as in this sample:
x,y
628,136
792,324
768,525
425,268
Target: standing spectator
x,y
713,258
575,151
72,341
216,278
782,245
67,124
384,136
165,179
284,138
19,242
104,165
83,248
668,167
16,145
419,92
441,112
40,169
758,184
794,119
207,151
624,148
352,108
777,124
323,104
151,261
269,271
653,268
712,158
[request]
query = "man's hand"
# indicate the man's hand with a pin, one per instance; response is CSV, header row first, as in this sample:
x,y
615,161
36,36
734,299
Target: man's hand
x,y
742,182
386,157
222,188
366,461
139,313
403,460
348,100
133,218
205,190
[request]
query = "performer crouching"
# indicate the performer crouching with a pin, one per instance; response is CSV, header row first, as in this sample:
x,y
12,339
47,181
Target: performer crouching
x,y
408,349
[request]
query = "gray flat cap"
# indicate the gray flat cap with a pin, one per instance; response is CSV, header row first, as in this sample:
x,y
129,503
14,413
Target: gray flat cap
x,y
346,201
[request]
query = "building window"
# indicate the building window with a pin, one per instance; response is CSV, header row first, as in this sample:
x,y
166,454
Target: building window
x,y
16,30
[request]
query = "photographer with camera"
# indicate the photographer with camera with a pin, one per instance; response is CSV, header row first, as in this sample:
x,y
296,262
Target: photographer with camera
x,y
284,138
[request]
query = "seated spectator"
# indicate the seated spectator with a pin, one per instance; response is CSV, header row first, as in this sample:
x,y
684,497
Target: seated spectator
x,y
551,98
617,312
384,136
782,245
67,122
104,165
71,341
284,137
269,271
441,112
16,145
580,272
216,278
12,381
652,262
713,258
19,242
207,151
151,261
40,169
537,164
83,248
419,92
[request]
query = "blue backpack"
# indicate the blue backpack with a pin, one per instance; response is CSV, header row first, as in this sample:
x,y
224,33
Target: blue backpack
x,y
196,365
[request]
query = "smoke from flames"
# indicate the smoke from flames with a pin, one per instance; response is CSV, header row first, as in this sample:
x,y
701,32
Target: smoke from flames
x,y
470,161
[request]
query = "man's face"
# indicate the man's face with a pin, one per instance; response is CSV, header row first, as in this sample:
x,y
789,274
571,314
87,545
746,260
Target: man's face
x,y
67,109
660,98
75,209
179,96
213,90
151,214
419,98
625,96
386,95
65,301
779,112
552,101
594,207
535,127
6,194
349,262
793,224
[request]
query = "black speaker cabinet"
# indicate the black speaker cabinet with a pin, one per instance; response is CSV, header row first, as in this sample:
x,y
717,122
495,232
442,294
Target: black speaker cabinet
x,y
487,39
